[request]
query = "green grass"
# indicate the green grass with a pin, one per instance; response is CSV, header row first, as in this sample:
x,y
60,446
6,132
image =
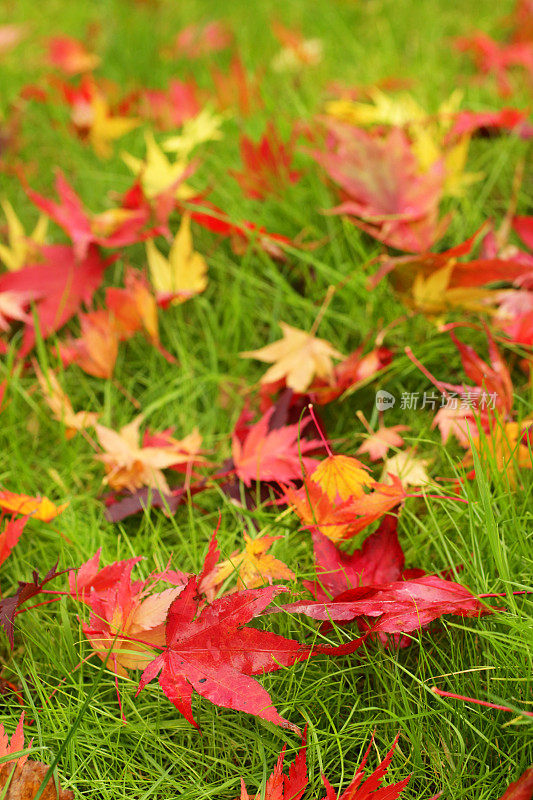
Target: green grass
x,y
470,752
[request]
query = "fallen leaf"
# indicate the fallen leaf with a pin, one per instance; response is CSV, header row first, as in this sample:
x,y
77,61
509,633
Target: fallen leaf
x,y
378,444
408,467
522,789
342,477
71,56
262,453
40,508
298,357
253,567
8,539
280,786
183,274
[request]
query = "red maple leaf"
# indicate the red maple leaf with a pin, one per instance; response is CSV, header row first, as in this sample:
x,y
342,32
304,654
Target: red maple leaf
x,y
58,286
10,536
211,652
372,583
113,228
497,58
171,107
385,193
267,164
284,787
359,789
263,453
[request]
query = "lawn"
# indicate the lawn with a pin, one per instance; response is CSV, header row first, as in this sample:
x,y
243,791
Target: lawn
x,y
479,527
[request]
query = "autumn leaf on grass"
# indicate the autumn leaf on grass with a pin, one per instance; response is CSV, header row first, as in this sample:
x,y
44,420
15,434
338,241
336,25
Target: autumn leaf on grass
x,y
171,107
298,357
96,350
378,443
503,447
262,453
70,55
297,52
198,129
9,537
21,247
373,584
115,227
61,406
9,606
356,368
342,477
130,466
360,789
280,786
384,190
408,467
134,307
127,619
267,164
105,127
521,789
316,510
183,274
57,285
20,777
157,174
40,508
198,41
212,652
253,567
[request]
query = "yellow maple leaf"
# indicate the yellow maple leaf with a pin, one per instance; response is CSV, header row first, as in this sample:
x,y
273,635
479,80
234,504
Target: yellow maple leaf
x,y
253,565
431,294
408,467
130,466
342,477
204,127
183,274
21,246
157,173
105,128
298,357
40,508
382,110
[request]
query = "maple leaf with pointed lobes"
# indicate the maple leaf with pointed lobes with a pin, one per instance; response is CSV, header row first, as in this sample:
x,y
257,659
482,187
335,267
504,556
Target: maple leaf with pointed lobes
x,y
497,58
342,477
71,56
233,88
116,227
204,127
467,122
10,536
40,508
184,274
360,789
96,350
127,621
104,127
378,444
253,567
158,175
21,246
280,786
298,357
58,286
315,510
267,164
130,466
211,652
26,590
386,193
277,454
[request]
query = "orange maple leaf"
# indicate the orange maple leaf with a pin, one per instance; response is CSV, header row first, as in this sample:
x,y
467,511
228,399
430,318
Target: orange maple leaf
x,y
40,508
